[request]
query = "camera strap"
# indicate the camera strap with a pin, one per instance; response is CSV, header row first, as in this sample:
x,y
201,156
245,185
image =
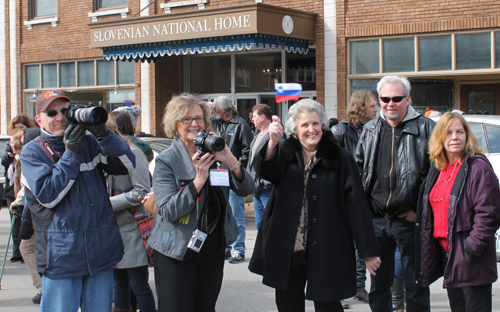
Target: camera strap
x,y
48,148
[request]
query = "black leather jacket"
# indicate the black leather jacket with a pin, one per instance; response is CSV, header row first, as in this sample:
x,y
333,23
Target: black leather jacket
x,y
238,136
347,135
412,161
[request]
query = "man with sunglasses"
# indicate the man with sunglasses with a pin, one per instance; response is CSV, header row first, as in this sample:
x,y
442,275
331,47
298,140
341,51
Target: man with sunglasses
x,y
77,239
393,159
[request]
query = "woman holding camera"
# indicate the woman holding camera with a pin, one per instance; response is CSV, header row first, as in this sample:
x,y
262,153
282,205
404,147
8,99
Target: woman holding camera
x,y
194,222
458,216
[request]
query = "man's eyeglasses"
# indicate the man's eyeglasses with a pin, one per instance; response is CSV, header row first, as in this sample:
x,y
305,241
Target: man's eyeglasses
x,y
188,120
53,113
395,99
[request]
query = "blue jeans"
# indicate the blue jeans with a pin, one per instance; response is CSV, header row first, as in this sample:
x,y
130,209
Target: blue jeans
x,y
93,293
392,233
259,205
398,267
137,279
238,206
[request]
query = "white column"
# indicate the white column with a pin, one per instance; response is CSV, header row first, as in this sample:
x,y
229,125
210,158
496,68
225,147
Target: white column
x,y
330,48
13,59
3,69
145,86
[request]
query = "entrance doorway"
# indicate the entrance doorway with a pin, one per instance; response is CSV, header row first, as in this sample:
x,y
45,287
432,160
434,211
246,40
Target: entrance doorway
x,y
480,99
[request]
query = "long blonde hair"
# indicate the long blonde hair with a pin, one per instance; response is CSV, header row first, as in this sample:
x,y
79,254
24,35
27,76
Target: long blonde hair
x,y
437,153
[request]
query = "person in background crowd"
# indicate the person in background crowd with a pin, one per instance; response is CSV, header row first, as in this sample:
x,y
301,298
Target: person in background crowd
x,y
318,209
361,109
458,216
250,121
393,159
125,192
332,122
26,233
128,129
77,239
194,222
20,122
262,118
238,137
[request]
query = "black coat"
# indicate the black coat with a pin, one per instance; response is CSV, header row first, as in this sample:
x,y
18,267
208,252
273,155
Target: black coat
x,y
338,217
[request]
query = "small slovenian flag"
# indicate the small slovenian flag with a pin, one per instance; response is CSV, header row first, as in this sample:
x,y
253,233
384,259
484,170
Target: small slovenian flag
x,y
287,91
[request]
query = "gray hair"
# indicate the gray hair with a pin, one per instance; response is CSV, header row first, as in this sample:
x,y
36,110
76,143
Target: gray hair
x,y
305,106
394,79
224,104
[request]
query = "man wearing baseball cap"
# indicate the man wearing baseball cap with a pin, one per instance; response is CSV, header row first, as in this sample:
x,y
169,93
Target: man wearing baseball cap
x,y
77,239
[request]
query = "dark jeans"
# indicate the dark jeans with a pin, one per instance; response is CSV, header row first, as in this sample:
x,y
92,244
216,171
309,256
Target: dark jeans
x,y
192,285
137,279
16,240
470,299
293,299
392,233
360,273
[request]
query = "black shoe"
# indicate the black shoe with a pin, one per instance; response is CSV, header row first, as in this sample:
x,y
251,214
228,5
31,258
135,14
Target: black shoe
x,y
16,259
37,299
362,296
227,256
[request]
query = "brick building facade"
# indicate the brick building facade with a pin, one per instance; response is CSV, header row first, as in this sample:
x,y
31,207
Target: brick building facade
x,y
452,49
53,52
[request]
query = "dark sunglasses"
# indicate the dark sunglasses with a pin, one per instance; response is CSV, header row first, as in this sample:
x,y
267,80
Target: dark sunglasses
x,y
53,113
395,99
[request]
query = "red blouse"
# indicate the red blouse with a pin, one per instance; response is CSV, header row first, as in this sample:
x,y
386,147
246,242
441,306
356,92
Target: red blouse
x,y
439,198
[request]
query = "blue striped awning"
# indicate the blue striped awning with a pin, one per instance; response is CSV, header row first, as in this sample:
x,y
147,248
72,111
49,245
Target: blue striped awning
x,y
153,51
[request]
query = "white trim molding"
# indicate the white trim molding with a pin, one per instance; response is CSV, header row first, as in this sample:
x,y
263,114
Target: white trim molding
x,y
123,12
167,6
52,20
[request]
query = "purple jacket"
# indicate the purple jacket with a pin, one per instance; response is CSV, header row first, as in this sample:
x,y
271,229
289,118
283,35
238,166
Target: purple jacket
x,y
473,218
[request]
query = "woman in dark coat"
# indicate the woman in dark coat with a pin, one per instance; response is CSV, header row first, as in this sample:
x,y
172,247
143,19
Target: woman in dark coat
x,y
316,213
458,215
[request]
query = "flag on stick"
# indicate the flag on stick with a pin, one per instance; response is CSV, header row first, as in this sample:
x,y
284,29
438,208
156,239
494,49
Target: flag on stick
x,y
287,91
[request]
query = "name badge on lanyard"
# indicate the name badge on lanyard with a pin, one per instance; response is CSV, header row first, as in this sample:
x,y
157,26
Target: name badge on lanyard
x,y
219,177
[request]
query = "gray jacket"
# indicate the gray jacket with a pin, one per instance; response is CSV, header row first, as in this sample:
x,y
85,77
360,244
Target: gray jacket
x,y
129,188
177,199
259,183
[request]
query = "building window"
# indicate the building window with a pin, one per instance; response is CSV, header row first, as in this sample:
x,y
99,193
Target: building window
x,y
437,94
32,76
261,72
399,55
210,74
473,50
434,53
41,8
67,74
105,73
104,4
85,73
364,57
497,48
79,74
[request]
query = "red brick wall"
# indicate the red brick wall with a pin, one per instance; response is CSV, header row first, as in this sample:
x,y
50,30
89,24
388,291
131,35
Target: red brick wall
x,y
365,18
70,39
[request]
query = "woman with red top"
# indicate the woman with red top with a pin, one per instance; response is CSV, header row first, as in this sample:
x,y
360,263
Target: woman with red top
x,y
458,214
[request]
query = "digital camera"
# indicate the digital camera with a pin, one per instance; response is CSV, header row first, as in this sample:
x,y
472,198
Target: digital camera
x,y
87,114
208,143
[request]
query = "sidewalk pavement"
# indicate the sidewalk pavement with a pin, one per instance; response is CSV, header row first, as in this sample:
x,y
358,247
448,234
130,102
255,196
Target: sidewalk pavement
x,y
241,290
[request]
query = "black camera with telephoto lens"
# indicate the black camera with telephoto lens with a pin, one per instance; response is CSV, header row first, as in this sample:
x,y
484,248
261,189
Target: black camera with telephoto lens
x,y
208,143
86,114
